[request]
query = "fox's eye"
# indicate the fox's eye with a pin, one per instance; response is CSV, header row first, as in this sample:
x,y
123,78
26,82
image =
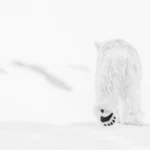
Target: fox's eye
x,y
102,110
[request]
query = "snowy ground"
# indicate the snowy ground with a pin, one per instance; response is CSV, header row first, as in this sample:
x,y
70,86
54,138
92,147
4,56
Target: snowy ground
x,y
82,136
35,94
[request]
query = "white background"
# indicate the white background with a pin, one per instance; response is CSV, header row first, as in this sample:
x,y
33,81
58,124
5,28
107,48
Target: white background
x,y
59,36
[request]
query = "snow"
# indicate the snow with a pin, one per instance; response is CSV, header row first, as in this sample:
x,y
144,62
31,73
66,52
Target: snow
x,y
39,99
81,136
47,72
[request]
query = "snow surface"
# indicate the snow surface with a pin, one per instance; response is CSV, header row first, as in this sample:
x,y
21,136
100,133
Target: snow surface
x,y
81,136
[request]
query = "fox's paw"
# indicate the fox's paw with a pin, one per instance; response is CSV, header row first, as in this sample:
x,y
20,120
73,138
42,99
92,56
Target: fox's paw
x,y
107,119
132,120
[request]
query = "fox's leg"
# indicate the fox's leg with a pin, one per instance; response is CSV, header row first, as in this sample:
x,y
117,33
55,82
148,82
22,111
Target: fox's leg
x,y
123,109
130,109
100,105
135,114
106,105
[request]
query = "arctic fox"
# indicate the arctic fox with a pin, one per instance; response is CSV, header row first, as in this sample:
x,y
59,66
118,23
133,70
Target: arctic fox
x,y
118,77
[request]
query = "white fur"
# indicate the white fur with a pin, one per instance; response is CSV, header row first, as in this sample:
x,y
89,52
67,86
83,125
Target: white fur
x,y
118,77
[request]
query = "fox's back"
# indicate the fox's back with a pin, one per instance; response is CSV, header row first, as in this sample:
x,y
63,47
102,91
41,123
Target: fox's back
x,y
119,68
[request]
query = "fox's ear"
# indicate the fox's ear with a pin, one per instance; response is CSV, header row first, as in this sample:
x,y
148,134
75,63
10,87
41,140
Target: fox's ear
x,y
98,45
